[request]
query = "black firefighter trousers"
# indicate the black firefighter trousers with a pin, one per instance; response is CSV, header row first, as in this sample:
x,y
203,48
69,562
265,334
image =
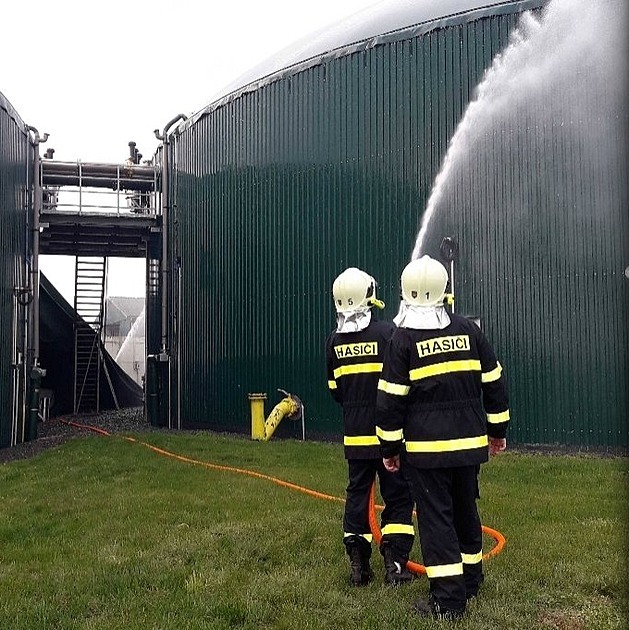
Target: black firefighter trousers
x,y
398,505
450,531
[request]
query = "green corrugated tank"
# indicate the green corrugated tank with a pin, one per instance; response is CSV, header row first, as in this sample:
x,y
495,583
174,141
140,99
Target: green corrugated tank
x,y
328,161
16,155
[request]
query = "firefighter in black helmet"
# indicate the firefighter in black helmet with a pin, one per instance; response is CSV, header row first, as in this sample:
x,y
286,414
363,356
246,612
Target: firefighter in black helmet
x,y
354,353
442,408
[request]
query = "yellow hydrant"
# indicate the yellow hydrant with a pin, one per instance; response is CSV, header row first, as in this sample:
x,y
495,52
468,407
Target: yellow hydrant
x,y
289,407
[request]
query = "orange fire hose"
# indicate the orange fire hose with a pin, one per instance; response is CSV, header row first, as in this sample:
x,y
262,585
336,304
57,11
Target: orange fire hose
x,y
415,567
189,460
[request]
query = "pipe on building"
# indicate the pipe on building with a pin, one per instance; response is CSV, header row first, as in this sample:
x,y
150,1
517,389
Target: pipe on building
x,y
263,429
114,176
33,353
36,376
165,139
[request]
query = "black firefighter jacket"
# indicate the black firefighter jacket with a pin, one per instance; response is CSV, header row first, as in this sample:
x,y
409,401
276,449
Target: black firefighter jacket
x,y
442,392
354,364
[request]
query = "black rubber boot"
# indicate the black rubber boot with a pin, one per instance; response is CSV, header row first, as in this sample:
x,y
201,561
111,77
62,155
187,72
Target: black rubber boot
x,y
431,608
359,554
396,572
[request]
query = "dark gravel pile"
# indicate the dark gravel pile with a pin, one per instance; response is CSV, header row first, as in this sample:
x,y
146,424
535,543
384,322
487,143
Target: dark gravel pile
x,y
56,431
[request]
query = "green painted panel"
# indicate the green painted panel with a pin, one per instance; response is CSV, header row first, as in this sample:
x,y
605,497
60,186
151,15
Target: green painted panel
x,y
281,188
15,157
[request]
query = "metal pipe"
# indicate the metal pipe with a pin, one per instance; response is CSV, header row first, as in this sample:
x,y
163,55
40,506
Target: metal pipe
x,y
165,259
17,354
114,176
169,124
122,184
33,355
165,212
178,337
256,403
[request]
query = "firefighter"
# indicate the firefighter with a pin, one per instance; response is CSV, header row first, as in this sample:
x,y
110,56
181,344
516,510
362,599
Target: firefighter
x,y
354,353
442,409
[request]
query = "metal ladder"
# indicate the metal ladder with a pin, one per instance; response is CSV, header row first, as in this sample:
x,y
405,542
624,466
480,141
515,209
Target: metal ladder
x,y
89,304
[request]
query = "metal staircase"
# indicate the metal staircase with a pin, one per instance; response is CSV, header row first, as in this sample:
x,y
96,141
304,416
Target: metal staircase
x,y
89,302
94,211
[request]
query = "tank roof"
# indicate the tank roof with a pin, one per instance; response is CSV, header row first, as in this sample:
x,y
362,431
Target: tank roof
x,y
385,21
7,107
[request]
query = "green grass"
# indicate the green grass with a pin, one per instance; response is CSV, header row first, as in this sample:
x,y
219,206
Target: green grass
x,y
102,533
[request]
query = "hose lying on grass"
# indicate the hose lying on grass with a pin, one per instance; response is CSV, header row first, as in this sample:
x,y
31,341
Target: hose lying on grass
x,y
414,567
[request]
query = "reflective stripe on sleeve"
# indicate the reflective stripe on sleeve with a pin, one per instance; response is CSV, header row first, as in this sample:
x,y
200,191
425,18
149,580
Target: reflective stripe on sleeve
x,y
332,384
361,440
444,570
492,375
472,558
497,418
442,446
393,388
390,436
357,368
445,367
398,528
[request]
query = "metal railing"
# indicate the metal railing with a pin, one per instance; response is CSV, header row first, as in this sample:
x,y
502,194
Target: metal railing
x,y
91,188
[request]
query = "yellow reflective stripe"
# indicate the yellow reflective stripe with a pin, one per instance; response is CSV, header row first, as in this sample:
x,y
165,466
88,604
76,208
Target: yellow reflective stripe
x,y
472,558
357,368
445,570
493,375
393,388
390,436
398,528
496,418
332,384
361,440
367,537
442,446
445,367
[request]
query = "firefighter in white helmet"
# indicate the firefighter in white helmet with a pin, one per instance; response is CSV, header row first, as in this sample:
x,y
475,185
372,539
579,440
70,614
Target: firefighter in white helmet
x,y
442,409
354,353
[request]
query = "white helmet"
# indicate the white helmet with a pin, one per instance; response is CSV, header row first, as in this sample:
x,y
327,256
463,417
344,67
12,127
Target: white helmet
x,y
424,282
354,290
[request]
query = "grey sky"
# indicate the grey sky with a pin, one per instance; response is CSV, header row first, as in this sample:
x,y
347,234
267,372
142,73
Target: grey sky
x,y
97,75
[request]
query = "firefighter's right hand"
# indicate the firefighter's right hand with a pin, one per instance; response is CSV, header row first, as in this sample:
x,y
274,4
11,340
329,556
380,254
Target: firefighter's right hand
x,y
392,464
497,445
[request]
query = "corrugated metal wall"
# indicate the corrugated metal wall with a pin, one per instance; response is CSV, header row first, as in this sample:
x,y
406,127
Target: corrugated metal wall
x,y
540,208
15,157
282,188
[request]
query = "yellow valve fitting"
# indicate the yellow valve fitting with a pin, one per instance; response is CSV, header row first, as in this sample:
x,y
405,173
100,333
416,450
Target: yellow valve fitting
x,y
261,429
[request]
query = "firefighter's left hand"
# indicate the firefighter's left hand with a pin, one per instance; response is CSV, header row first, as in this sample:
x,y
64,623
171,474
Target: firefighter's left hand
x,y
392,464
